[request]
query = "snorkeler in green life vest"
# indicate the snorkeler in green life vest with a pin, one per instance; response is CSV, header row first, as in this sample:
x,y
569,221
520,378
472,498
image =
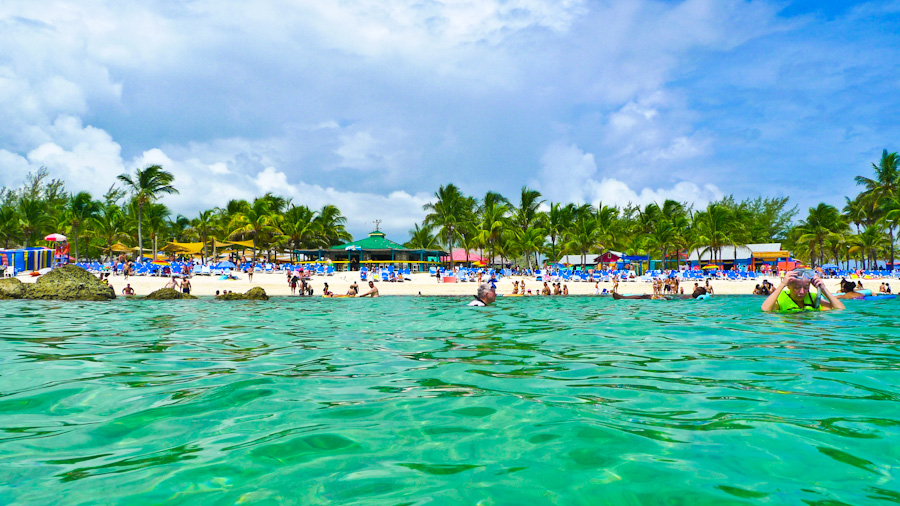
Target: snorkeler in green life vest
x,y
793,294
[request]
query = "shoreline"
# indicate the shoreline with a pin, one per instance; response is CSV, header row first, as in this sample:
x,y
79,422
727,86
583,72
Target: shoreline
x,y
422,284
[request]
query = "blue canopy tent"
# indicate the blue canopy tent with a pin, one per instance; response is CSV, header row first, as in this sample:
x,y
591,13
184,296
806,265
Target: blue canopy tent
x,y
639,259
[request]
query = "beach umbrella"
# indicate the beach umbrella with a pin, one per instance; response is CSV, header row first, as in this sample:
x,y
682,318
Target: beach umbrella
x,y
55,238
352,248
159,262
710,267
829,266
226,265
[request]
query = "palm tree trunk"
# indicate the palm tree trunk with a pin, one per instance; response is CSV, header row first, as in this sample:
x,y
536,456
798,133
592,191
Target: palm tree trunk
x,y
140,236
450,243
891,232
75,241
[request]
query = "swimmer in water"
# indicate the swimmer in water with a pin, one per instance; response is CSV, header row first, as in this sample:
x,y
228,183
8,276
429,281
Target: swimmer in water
x,y
485,296
793,294
849,289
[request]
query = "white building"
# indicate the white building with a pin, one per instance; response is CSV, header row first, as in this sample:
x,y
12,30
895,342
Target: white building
x,y
746,254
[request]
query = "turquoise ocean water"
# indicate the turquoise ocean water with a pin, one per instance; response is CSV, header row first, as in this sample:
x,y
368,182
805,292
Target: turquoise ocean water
x,y
424,401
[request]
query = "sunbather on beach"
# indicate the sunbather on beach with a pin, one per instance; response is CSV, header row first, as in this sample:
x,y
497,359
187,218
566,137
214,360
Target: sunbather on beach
x,y
373,291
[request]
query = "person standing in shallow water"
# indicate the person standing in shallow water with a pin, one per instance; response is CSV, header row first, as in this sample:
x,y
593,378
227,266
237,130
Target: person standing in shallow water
x,y
373,291
793,294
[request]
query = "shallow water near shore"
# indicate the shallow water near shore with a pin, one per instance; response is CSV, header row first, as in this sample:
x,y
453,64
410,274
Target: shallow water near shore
x,y
408,400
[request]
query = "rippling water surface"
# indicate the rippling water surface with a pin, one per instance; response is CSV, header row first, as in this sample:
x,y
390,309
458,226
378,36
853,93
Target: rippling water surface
x,y
425,401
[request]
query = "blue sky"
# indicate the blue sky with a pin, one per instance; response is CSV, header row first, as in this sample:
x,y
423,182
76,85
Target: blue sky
x,y
372,104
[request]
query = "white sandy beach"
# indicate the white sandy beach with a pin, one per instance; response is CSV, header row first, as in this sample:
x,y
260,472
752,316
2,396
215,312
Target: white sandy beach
x,y
275,284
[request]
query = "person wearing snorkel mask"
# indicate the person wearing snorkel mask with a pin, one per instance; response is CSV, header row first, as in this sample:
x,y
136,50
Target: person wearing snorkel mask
x,y
793,294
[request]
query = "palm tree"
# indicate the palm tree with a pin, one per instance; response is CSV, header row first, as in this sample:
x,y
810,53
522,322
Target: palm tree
x,y
146,186
584,235
9,225
823,220
300,228
421,238
528,241
891,209
156,217
448,213
885,186
180,227
33,217
254,220
81,210
108,224
559,222
494,220
527,212
663,238
332,226
203,225
873,240
711,227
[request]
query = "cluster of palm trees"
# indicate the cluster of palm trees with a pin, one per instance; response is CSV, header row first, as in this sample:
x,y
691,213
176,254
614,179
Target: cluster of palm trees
x,y
534,227
864,230
125,214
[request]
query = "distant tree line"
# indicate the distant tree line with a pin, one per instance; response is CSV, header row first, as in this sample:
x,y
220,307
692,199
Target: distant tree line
x,y
130,212
529,227
523,229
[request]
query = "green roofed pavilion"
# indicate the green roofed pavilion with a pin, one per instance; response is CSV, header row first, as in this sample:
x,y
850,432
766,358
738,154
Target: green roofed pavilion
x,y
377,248
375,241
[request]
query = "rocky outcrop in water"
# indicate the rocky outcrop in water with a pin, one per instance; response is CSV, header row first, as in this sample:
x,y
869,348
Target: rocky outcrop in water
x,y
168,294
11,288
69,282
256,293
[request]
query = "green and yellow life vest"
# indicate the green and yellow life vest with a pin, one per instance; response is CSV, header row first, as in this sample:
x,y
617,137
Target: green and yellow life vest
x,y
787,305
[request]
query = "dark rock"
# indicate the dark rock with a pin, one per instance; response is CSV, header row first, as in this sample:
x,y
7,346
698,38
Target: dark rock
x,y
168,294
256,293
69,282
11,288
231,296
